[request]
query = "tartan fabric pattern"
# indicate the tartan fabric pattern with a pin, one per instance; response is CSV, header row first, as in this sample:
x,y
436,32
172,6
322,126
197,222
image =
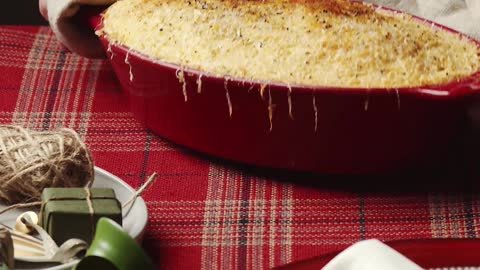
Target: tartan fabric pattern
x,y
206,213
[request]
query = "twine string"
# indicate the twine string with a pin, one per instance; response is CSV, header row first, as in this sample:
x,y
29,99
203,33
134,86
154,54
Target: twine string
x,y
88,198
19,206
130,202
34,160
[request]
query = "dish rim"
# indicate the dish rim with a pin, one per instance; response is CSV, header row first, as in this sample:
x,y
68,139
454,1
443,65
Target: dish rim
x,y
452,89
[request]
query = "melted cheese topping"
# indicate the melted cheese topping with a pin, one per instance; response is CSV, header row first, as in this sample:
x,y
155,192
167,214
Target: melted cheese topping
x,y
308,42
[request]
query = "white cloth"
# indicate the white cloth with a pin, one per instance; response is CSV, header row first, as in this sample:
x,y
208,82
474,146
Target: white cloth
x,y
461,15
370,255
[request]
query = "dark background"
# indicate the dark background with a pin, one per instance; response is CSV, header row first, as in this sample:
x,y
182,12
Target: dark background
x,y
21,12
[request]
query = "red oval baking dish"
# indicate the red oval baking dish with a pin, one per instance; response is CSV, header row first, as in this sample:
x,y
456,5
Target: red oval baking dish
x,y
326,130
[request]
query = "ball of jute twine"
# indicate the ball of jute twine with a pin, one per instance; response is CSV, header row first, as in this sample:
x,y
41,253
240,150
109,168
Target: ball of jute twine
x,y
33,160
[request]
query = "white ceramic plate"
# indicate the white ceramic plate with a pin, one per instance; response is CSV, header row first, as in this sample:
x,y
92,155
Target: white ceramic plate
x,y
134,223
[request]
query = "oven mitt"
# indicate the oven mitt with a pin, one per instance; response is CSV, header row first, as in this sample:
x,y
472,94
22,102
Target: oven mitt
x,y
461,15
75,36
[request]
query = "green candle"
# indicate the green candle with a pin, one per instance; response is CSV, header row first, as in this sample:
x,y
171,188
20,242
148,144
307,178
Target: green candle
x,y
113,249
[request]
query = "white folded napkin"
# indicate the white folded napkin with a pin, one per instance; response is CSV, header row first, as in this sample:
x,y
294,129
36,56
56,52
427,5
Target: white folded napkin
x,y
370,255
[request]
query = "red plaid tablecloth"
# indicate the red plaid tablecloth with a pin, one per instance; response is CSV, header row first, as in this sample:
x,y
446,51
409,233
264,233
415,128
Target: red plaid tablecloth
x,y
205,213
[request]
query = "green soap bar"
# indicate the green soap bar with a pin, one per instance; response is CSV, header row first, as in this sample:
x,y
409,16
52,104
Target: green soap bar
x,y
65,212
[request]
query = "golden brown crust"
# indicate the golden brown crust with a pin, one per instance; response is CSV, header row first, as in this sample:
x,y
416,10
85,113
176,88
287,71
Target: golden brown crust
x,y
338,7
345,7
312,42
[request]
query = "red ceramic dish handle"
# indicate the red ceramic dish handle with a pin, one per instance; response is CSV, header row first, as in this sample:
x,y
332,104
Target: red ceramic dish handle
x,y
428,253
91,16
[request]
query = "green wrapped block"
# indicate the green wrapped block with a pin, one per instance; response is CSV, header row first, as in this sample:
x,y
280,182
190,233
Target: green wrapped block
x,y
73,212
